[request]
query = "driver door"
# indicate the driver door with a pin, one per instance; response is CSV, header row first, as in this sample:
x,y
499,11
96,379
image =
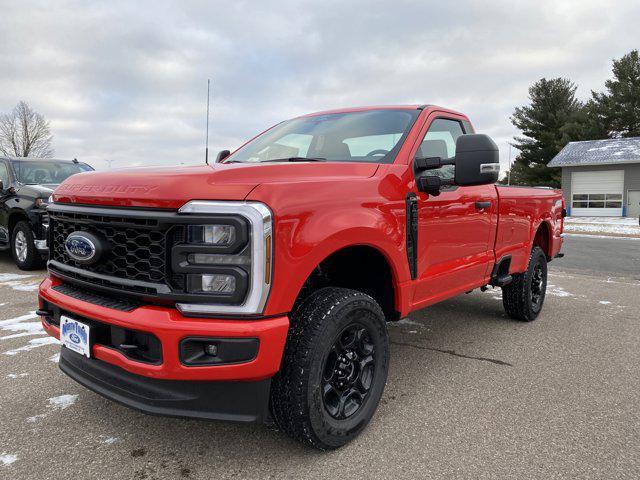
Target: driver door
x,y
455,227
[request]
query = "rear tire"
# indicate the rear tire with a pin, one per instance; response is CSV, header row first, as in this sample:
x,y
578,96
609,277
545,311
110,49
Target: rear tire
x,y
334,368
23,248
524,296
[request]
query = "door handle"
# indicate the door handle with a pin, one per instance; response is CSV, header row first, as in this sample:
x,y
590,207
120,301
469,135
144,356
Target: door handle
x,y
481,205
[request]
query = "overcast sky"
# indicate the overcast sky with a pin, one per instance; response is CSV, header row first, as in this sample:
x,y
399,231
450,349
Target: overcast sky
x,y
126,81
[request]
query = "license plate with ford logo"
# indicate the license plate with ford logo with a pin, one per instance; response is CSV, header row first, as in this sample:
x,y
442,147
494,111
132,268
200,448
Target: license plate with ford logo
x,y
75,336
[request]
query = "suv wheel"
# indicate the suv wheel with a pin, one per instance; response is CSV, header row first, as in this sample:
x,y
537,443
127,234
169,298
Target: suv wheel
x,y
524,296
334,368
23,249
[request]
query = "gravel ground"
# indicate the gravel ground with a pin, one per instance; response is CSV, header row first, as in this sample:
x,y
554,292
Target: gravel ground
x,y
470,394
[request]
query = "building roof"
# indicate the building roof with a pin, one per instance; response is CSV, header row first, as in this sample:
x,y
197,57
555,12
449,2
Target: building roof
x,y
598,152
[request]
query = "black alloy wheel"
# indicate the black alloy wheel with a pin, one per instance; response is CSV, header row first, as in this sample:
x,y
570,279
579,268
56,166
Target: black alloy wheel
x,y
348,372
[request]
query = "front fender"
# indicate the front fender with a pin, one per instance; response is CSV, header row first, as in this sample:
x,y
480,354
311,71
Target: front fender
x,y
306,233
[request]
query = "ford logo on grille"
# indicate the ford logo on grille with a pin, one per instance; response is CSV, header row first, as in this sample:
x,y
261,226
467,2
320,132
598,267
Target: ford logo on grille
x,y
83,247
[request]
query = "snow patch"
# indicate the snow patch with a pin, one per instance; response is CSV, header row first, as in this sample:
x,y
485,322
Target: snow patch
x,y
18,319
22,287
55,358
403,321
604,302
586,235
35,418
109,440
602,220
7,459
21,327
602,225
17,375
558,291
9,277
63,401
35,343
21,283
55,403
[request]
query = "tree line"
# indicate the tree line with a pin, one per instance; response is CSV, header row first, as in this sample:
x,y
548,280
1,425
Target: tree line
x,y
555,117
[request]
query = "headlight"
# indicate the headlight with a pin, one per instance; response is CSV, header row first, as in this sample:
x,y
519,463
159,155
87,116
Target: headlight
x,y
227,260
212,234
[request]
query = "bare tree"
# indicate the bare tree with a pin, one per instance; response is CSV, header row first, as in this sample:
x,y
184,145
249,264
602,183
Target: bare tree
x,y
25,133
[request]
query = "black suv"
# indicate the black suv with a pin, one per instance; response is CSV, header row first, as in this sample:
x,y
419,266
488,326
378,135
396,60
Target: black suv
x,y
25,187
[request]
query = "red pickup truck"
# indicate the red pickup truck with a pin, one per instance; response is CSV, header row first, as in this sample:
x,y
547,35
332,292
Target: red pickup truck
x,y
260,286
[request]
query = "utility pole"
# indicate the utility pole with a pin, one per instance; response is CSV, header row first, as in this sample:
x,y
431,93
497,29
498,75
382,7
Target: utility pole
x,y
206,150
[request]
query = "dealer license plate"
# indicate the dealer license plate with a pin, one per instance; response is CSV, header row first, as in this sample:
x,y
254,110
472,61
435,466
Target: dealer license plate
x,y
75,336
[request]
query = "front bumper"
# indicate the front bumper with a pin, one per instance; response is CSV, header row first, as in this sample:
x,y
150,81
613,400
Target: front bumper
x,y
169,387
230,401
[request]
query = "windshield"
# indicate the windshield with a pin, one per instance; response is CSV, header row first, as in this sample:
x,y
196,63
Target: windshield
x,y
46,171
367,136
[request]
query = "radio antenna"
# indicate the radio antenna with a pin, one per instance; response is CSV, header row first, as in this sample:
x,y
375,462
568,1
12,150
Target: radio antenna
x,y
206,150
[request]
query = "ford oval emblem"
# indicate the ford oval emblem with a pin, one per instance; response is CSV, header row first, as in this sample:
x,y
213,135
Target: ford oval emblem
x,y
81,247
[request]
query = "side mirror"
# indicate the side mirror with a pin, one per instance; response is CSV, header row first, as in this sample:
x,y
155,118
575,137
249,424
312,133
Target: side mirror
x,y
477,160
430,184
1,187
222,155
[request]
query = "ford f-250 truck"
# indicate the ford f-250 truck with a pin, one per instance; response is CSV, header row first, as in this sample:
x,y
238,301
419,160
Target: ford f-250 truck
x,y
260,286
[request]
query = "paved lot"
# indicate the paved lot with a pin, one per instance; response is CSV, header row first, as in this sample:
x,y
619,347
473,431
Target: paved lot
x,y
470,394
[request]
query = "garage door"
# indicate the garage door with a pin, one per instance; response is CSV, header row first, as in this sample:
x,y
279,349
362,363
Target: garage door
x,y
597,194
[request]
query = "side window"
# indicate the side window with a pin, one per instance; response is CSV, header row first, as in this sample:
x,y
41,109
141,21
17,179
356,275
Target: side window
x,y
4,175
440,141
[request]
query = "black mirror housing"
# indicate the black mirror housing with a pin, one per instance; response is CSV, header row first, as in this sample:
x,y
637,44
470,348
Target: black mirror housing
x,y
222,155
477,160
430,184
426,163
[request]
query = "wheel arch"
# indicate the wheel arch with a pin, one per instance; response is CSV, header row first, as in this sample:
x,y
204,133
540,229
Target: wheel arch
x,y
16,216
364,267
543,238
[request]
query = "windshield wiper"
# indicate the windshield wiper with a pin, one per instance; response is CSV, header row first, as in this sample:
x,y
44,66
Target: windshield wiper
x,y
287,159
296,159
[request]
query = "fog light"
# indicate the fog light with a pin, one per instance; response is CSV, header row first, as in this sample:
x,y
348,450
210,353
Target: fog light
x,y
213,234
218,283
211,349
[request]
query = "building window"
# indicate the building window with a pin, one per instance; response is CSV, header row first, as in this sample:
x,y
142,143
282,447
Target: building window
x,y
596,200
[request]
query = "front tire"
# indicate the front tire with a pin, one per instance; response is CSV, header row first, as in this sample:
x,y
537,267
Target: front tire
x,y
524,296
23,248
334,368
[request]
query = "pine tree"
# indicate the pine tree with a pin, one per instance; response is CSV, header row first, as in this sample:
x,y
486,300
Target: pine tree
x,y
553,118
618,109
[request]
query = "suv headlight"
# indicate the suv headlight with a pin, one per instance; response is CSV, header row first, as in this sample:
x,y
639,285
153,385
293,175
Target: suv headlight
x,y
227,261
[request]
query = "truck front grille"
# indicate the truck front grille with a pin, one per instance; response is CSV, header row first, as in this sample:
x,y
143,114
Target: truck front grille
x,y
138,252
138,245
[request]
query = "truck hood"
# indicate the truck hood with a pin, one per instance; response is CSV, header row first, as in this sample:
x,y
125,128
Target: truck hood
x,y
172,187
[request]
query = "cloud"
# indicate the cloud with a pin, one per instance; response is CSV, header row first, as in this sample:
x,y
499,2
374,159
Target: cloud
x,y
126,81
